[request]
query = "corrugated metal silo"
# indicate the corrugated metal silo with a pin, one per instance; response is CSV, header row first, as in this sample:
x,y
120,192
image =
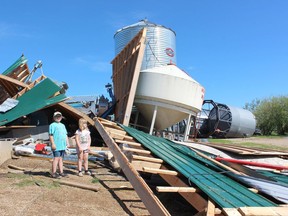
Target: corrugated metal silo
x,y
226,121
160,45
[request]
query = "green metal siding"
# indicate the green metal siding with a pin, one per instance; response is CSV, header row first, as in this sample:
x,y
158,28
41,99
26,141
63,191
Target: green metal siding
x,y
17,63
226,192
281,178
35,99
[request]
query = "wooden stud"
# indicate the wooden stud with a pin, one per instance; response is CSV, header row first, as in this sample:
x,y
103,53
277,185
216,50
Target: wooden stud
x,y
138,165
160,171
78,185
150,159
176,189
152,203
136,150
195,199
264,211
128,142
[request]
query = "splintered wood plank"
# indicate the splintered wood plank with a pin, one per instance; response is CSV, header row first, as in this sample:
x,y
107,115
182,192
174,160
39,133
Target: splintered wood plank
x,y
160,171
176,189
263,211
126,71
195,199
75,112
117,135
140,151
116,131
78,185
14,81
210,208
232,212
109,124
143,158
128,142
138,165
152,203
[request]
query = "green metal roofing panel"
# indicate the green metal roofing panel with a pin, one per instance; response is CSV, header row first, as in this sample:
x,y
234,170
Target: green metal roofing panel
x,y
35,99
226,192
279,177
17,63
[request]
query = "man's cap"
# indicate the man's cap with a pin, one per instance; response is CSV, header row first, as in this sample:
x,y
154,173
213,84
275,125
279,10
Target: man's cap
x,y
57,114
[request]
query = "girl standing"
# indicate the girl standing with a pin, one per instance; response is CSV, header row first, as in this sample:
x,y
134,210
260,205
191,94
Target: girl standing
x,y
83,142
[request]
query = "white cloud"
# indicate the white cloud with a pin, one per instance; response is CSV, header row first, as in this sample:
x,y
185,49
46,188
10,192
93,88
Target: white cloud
x,y
5,30
12,30
93,64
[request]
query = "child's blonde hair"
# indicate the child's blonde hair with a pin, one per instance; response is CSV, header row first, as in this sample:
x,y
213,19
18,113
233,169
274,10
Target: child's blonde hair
x,y
81,122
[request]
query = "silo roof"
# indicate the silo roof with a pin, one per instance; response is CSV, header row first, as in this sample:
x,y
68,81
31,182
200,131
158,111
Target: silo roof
x,y
143,23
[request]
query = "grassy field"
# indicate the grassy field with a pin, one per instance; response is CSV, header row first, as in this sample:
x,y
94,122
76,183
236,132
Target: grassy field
x,y
278,143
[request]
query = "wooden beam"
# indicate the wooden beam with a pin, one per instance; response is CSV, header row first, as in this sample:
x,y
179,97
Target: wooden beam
x,y
160,171
195,199
138,165
110,124
75,112
134,82
128,142
22,73
217,162
253,190
235,212
210,208
78,185
264,211
150,159
119,135
116,131
152,203
176,189
16,167
14,81
136,150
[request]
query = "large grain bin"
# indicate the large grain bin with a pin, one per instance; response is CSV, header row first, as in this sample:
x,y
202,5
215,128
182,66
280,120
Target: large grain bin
x,y
165,94
160,44
174,92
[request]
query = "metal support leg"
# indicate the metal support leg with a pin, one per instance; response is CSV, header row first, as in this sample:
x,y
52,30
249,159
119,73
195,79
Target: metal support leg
x,y
153,120
187,129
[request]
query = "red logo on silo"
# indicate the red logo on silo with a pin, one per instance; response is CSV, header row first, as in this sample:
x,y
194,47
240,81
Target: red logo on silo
x,y
169,52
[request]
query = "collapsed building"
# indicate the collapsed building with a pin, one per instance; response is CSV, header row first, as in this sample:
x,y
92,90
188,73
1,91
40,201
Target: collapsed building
x,y
210,187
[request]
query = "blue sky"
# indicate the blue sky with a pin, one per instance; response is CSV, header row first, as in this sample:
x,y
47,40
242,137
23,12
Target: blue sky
x,y
237,50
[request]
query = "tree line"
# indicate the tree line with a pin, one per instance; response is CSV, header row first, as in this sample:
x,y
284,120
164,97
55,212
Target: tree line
x,y
271,114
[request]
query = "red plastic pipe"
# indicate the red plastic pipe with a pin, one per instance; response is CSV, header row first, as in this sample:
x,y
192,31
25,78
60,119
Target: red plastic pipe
x,y
252,163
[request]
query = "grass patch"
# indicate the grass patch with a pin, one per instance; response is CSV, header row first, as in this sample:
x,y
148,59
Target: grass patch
x,y
95,180
40,183
261,146
250,144
17,175
24,180
221,141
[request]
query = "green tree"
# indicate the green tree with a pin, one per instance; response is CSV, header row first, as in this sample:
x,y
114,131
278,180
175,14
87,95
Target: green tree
x,y
272,115
253,105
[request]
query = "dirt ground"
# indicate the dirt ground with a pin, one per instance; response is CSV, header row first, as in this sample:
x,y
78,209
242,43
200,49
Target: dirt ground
x,y
34,192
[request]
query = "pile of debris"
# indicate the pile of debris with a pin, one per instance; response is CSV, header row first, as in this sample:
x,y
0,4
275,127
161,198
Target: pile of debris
x,y
26,105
